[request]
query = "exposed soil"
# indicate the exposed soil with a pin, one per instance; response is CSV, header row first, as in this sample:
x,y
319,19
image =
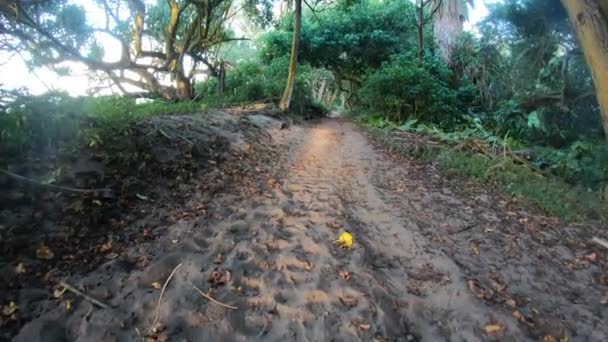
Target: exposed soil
x,y
433,258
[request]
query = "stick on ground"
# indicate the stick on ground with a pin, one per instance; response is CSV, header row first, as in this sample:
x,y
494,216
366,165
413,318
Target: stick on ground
x,y
56,187
600,241
83,295
209,298
162,292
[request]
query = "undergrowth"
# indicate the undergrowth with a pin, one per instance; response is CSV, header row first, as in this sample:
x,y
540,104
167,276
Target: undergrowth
x,y
559,188
33,127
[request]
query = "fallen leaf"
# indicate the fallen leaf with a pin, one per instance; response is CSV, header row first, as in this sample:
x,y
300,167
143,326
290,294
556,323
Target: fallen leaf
x,y
492,329
476,289
364,327
9,309
111,255
307,266
345,240
156,285
549,338
142,197
44,252
349,300
106,246
20,268
59,292
511,303
217,277
591,257
219,259
474,247
67,305
344,275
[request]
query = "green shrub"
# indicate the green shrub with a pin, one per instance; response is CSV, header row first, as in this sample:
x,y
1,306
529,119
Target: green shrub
x,y
405,88
254,81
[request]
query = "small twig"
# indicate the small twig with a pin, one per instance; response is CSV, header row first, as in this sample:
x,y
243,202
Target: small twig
x,y
465,228
600,241
65,188
162,292
83,295
209,298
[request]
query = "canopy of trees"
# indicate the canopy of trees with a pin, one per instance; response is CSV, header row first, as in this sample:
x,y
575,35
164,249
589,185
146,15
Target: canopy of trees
x,y
157,39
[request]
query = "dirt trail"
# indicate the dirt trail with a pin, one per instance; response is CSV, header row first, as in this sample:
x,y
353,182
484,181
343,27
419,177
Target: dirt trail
x,y
274,258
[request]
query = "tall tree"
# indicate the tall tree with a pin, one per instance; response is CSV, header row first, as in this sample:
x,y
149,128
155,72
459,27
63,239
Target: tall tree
x,y
293,60
448,24
590,20
425,11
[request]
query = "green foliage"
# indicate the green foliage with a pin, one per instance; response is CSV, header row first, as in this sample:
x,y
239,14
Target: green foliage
x,y
548,193
405,88
254,81
58,123
347,40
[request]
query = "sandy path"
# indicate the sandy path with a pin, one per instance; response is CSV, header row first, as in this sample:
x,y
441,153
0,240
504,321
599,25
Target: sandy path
x,y
274,258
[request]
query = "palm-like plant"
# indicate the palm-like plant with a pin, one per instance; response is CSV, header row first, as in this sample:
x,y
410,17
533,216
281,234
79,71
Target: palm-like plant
x,y
448,21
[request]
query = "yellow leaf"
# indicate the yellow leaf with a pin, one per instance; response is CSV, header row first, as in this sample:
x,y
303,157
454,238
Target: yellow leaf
x,y
9,309
345,240
44,252
492,328
156,285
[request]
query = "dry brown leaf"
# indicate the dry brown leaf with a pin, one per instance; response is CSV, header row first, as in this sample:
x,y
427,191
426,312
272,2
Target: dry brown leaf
x,y
476,289
307,266
156,285
474,247
492,329
106,246
511,303
45,253
349,300
591,257
217,277
20,268
549,338
365,327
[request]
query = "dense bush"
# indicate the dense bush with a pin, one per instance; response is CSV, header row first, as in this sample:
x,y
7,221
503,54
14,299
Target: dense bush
x,y
405,88
255,81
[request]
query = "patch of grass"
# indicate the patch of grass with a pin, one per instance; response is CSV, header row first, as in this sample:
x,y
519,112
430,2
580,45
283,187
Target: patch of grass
x,y
549,193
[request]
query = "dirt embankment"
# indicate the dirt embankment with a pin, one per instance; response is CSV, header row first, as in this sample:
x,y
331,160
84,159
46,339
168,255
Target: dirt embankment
x,y
178,165
254,257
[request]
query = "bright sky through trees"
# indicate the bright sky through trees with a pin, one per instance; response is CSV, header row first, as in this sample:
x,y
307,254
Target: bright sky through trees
x,y
15,73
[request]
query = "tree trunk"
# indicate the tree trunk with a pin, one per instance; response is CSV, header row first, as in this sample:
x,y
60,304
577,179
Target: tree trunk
x,y
447,25
293,61
222,79
183,88
332,98
321,92
420,26
591,26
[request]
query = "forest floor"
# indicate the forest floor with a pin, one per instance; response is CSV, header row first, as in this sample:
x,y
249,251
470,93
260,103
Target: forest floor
x,y
433,258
